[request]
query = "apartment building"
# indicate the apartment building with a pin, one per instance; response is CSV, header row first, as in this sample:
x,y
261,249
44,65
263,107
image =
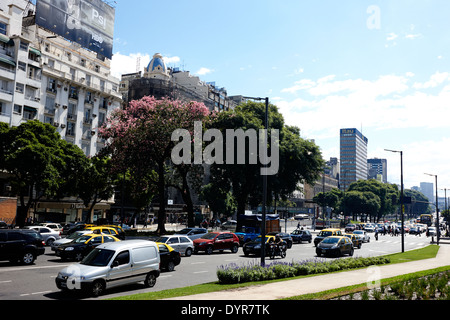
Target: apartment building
x,y
43,76
46,77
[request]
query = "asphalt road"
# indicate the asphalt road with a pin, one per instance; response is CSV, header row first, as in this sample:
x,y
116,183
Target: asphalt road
x,y
37,282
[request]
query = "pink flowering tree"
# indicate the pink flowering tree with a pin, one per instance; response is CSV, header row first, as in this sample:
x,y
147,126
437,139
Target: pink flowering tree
x,y
139,138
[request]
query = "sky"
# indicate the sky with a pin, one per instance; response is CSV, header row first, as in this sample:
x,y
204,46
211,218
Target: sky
x,y
379,66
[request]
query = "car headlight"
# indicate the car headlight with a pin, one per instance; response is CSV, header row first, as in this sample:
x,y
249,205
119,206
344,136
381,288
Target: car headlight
x,y
258,246
69,249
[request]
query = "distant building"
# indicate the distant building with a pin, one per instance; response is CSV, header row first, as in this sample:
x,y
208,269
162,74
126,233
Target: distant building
x,y
427,189
160,81
377,169
353,153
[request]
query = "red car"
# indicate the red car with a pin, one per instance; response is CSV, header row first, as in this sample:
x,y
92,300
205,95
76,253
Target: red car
x,y
217,241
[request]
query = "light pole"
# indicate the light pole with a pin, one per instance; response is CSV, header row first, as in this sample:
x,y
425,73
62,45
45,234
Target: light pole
x,y
263,220
437,208
401,196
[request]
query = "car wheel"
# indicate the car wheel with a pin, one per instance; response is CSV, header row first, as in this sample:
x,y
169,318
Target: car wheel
x,y
50,242
209,250
289,244
170,266
97,288
188,252
351,252
234,248
28,258
150,280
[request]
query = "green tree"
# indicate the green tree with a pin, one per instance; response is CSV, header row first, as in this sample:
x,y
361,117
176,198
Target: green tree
x,y
299,159
95,184
32,154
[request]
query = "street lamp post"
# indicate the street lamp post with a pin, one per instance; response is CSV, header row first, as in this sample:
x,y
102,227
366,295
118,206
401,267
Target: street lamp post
x,y
437,209
401,196
263,220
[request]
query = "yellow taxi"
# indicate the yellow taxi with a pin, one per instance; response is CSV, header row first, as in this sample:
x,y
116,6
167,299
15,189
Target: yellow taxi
x,y
78,248
356,239
327,233
169,258
106,230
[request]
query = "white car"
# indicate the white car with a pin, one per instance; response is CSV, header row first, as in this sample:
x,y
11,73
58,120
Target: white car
x,y
363,234
48,235
431,231
51,225
182,244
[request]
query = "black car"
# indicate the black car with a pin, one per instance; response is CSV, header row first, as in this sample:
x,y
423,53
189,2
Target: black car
x,y
169,258
286,237
22,245
254,246
81,246
301,235
335,246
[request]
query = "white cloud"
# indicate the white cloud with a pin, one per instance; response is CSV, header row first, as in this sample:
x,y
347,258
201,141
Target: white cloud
x,y
202,71
391,36
413,36
435,80
123,64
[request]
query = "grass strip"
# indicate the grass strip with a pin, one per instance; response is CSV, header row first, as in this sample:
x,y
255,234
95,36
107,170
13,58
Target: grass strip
x,y
412,255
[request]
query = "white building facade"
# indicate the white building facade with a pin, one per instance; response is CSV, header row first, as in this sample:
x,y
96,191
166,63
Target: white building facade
x,y
46,77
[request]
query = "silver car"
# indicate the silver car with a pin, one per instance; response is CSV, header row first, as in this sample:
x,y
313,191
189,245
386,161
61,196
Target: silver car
x,y
182,244
48,235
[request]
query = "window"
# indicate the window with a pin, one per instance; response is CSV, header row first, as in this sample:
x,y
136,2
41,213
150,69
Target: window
x,y
51,85
70,129
3,27
22,66
23,46
17,109
20,87
123,258
73,93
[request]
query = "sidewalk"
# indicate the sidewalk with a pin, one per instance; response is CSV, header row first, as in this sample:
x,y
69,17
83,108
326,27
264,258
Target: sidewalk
x,y
320,283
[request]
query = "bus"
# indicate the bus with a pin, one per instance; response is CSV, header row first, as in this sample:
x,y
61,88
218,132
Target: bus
x,y
426,219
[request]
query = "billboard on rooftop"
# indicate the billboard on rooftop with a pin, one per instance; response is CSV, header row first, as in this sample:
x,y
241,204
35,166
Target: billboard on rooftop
x,y
89,23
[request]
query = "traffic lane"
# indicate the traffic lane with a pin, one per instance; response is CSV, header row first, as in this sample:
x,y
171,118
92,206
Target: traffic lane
x,y
37,281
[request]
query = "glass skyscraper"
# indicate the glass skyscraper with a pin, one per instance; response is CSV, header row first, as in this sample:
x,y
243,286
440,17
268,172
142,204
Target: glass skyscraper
x,y
353,149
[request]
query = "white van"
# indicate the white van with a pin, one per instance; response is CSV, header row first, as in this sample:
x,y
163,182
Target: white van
x,y
112,264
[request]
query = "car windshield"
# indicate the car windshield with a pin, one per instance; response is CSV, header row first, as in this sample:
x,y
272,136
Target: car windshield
x,y
184,231
162,239
325,233
209,235
81,239
98,257
330,240
74,235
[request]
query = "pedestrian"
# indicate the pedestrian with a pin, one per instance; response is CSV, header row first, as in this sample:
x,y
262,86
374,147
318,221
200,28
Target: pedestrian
x,y
376,234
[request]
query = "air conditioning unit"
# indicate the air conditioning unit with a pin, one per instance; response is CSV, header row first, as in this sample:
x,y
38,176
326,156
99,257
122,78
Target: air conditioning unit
x,y
63,125
64,106
92,133
57,105
56,124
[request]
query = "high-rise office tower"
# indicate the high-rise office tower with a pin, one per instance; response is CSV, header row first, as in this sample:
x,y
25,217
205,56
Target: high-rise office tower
x,y
377,169
353,150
